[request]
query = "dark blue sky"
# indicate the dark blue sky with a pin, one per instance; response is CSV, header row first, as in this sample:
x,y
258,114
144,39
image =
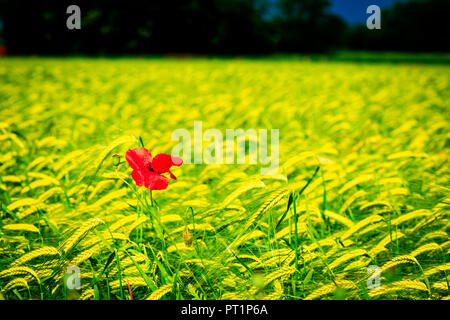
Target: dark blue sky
x,y
355,10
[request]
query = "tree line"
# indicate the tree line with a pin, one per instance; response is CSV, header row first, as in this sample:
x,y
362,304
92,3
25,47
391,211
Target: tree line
x,y
230,27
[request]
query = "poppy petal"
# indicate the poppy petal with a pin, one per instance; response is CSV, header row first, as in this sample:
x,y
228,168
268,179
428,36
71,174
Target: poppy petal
x,y
138,177
139,158
162,162
154,181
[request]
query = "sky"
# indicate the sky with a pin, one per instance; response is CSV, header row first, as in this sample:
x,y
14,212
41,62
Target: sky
x,y
354,11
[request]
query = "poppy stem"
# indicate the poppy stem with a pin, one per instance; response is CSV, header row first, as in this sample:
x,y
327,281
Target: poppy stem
x,y
151,198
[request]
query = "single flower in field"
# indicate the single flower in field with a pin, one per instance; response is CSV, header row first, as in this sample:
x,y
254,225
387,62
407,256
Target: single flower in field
x,y
147,171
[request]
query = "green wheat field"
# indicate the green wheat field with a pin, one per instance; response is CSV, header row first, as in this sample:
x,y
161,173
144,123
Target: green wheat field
x,y
363,180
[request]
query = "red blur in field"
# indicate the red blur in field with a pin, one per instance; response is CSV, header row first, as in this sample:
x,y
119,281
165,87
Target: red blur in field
x,y
148,172
3,50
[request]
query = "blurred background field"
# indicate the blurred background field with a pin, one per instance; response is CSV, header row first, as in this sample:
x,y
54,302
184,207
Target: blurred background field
x,y
378,132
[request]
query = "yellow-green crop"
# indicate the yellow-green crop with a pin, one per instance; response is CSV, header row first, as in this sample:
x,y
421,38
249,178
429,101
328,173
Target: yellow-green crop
x,y
370,141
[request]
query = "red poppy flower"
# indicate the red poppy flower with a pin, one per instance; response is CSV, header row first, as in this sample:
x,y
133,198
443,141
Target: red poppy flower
x,y
147,172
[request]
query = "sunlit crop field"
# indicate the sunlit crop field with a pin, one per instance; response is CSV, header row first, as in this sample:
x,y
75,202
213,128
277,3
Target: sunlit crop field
x,y
370,142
